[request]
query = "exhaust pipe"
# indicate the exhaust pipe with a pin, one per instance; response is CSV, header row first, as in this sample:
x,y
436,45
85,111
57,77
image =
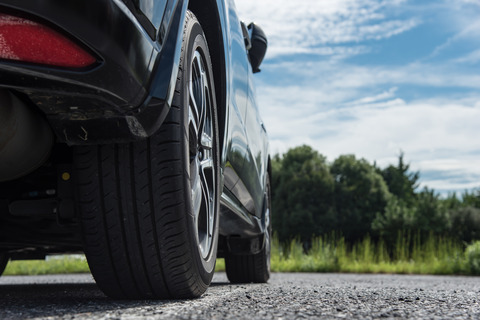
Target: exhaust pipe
x,y
25,138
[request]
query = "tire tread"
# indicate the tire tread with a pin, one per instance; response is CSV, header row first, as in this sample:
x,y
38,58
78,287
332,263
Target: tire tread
x,y
132,202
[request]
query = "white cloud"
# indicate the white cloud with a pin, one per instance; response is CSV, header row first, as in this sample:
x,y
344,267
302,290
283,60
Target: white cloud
x,y
451,174
340,109
467,33
472,57
460,18
474,2
336,51
435,136
377,98
428,108
330,79
307,25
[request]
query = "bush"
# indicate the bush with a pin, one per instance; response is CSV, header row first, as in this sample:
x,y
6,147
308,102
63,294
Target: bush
x,y
472,254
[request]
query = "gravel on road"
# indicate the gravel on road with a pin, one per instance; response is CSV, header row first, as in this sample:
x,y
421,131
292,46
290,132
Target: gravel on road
x,y
286,296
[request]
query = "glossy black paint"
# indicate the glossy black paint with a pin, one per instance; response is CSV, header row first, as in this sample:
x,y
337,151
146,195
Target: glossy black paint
x,y
126,95
116,91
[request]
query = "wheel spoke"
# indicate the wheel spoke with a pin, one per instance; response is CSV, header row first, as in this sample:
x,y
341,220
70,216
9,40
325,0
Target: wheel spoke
x,y
206,137
193,120
197,88
196,190
201,143
208,181
206,141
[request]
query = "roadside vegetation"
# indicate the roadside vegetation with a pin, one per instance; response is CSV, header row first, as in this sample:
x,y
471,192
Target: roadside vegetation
x,y
434,256
386,223
352,216
53,265
328,254
312,197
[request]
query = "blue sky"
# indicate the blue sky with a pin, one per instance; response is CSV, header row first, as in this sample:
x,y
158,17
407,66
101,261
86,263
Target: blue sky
x,y
374,78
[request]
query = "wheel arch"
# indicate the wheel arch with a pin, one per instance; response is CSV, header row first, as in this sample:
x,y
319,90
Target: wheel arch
x,y
210,17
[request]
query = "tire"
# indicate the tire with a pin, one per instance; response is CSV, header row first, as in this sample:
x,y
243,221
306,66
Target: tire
x,y
3,262
149,209
253,267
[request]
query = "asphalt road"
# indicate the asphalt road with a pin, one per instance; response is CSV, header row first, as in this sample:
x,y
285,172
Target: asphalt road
x,y
287,296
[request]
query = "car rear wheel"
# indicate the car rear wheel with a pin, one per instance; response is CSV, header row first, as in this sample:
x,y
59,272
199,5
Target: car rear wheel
x,y
149,209
255,268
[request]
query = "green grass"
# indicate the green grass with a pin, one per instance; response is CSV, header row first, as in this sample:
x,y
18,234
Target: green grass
x,y
55,265
436,255
220,266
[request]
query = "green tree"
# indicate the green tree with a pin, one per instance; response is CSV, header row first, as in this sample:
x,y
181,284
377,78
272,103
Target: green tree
x,y
400,181
398,218
428,214
452,202
302,194
353,197
471,199
431,214
464,215
360,192
465,223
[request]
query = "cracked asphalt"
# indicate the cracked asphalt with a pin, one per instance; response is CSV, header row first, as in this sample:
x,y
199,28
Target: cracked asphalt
x,y
286,296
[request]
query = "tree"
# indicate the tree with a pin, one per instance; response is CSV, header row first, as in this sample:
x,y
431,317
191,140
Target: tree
x,y
398,217
400,181
302,194
360,192
464,215
465,223
351,196
431,215
471,199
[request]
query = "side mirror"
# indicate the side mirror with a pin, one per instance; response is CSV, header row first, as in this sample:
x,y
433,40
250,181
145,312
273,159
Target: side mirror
x,y
258,46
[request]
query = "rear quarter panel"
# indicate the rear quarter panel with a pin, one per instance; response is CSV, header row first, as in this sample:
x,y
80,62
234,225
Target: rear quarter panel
x,y
246,146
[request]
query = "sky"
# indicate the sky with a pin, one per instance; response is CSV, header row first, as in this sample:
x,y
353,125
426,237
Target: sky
x,y
375,78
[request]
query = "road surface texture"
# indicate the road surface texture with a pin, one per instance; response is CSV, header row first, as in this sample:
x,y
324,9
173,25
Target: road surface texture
x,y
287,296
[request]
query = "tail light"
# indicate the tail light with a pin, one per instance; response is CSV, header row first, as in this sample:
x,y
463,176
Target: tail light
x,y
28,41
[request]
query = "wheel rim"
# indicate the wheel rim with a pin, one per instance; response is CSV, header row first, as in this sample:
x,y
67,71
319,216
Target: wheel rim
x,y
201,151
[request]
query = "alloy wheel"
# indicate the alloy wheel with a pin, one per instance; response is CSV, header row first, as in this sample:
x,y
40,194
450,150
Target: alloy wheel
x,y
201,152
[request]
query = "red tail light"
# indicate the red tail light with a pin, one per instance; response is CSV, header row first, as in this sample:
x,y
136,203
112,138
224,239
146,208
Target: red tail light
x,y
25,40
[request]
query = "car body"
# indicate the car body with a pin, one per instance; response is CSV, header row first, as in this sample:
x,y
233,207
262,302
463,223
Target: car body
x,y
82,80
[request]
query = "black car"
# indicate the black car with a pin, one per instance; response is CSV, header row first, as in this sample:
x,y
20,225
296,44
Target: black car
x,y
129,131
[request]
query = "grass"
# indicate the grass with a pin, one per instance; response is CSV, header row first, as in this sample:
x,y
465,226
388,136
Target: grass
x,y
436,255
53,265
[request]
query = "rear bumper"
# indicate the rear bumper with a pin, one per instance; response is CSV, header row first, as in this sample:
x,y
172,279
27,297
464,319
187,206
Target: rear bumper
x,y
125,96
